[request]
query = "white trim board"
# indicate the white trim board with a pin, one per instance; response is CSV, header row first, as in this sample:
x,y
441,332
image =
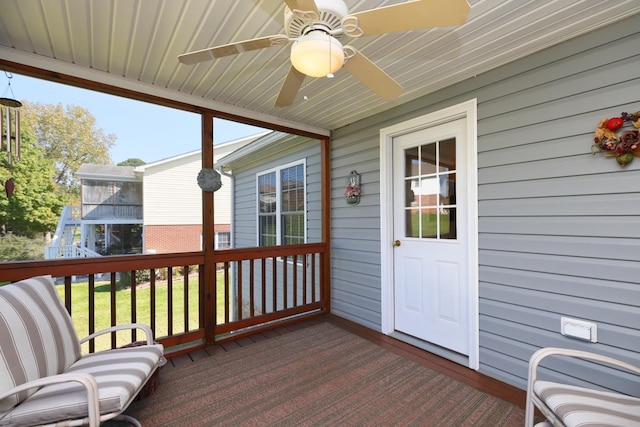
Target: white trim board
x,y
466,110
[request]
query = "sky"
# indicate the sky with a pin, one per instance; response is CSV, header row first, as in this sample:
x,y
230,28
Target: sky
x,y
143,131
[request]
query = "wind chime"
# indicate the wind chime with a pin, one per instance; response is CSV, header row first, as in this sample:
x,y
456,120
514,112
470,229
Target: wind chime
x,y
10,129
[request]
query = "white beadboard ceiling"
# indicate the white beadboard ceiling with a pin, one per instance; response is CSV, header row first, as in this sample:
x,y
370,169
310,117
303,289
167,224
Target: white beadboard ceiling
x,y
134,44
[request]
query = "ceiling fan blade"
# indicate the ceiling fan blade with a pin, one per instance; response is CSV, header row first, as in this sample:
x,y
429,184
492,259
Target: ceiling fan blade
x,y
372,76
412,15
290,88
306,5
232,49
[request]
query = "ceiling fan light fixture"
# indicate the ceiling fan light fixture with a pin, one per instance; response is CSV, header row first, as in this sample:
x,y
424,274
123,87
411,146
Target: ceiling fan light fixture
x,y
317,54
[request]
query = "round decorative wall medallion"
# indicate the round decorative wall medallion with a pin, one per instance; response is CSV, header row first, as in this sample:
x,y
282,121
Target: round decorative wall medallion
x,y
209,180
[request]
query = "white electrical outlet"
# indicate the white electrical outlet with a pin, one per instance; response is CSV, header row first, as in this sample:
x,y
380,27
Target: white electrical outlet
x,y
579,329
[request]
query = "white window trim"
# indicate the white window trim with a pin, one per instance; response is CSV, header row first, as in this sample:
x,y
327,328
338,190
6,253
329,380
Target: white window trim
x,y
278,212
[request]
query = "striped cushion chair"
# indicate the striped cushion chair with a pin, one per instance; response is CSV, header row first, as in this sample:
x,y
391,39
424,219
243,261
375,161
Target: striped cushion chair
x,y
44,378
572,406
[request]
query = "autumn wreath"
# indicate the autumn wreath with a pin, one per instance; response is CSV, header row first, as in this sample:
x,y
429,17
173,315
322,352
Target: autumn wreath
x,y
623,147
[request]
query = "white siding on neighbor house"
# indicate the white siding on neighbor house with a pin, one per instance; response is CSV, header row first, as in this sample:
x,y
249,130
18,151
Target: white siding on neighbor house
x,y
559,228
171,193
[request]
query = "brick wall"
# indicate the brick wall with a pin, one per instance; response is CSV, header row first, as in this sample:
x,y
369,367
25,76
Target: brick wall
x,y
176,238
172,238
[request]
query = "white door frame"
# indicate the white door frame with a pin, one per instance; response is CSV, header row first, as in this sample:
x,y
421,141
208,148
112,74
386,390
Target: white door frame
x,y
466,110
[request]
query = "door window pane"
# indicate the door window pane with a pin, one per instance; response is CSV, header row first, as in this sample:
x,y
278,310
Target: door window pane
x,y
448,223
428,191
447,189
411,200
412,222
447,158
411,164
429,223
428,159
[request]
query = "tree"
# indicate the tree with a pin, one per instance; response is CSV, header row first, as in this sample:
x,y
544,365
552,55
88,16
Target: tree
x,y
132,162
36,204
69,136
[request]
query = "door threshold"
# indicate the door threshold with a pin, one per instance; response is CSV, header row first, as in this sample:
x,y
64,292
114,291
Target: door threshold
x,y
432,348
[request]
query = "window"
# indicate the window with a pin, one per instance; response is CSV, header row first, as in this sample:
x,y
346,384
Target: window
x,y
114,239
281,206
111,199
222,240
430,185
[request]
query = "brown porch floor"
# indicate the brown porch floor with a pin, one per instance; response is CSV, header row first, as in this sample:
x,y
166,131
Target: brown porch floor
x,y
475,379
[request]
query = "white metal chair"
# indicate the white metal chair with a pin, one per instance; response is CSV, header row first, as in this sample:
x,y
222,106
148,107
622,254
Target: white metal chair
x,y
44,378
567,405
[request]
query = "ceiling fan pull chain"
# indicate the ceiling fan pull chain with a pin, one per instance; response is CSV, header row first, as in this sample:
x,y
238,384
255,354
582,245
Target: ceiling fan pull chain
x,y
351,26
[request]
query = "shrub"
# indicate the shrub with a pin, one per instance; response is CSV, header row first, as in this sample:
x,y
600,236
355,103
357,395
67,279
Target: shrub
x,y
142,276
21,248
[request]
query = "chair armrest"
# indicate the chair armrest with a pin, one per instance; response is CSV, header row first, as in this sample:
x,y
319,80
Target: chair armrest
x,y
145,328
539,355
89,383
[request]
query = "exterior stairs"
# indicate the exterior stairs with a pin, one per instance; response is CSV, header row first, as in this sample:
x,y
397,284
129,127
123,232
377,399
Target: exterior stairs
x,y
66,240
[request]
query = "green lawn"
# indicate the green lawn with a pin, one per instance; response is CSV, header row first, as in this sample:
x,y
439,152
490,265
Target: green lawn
x,y
80,311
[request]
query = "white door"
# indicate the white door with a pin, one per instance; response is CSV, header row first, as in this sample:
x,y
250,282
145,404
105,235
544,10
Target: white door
x,y
430,244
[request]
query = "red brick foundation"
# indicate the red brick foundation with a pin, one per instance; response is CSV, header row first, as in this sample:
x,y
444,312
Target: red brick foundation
x,y
172,238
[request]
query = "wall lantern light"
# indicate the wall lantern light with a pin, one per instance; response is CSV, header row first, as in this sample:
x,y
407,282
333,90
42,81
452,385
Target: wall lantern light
x,y
353,191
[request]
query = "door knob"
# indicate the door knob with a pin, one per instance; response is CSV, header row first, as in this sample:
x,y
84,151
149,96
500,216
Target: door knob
x,y
396,243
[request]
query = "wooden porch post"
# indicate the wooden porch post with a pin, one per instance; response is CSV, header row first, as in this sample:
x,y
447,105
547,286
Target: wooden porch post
x,y
208,305
325,279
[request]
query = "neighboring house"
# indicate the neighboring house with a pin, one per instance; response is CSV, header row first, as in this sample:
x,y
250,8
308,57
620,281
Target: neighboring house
x,y
153,208
173,202
545,229
111,209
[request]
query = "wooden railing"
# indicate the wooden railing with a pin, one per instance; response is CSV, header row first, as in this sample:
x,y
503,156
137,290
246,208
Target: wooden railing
x,y
254,288
262,285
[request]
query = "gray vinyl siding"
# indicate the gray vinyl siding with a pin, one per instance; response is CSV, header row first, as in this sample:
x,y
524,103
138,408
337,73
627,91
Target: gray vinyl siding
x,y
559,228
298,149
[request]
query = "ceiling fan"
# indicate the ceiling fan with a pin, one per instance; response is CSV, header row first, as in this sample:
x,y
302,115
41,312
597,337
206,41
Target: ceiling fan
x,y
314,27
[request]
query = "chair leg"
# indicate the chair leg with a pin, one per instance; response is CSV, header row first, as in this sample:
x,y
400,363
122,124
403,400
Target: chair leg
x,y
129,419
529,412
